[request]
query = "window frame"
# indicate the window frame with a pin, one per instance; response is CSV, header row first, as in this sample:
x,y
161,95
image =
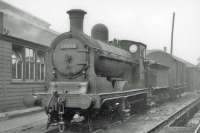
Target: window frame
x,y
24,79
39,77
29,68
15,52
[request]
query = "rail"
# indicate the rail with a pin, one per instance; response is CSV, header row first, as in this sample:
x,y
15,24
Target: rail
x,y
174,117
197,130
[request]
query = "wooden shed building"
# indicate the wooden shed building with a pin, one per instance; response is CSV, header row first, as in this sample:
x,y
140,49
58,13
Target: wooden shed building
x,y
24,40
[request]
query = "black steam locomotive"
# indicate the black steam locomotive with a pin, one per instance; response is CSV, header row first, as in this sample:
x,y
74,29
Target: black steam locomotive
x,y
94,79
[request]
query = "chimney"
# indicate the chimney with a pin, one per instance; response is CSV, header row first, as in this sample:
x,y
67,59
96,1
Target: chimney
x,y
76,17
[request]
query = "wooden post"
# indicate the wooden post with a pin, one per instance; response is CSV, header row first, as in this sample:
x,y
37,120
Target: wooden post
x,y
1,22
172,33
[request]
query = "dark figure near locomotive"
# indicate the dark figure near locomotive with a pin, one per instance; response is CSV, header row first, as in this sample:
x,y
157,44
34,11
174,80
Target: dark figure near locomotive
x,y
94,79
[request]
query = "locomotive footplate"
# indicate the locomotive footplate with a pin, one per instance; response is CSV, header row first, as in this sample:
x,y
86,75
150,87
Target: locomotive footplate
x,y
104,97
84,101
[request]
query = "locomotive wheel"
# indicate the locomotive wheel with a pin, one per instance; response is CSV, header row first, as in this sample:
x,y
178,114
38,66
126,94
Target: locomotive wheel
x,y
61,128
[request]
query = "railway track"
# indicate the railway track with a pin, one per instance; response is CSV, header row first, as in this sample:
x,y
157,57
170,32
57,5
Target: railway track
x,y
139,123
172,124
176,122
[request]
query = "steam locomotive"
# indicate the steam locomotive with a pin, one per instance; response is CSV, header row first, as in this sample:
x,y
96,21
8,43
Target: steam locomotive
x,y
93,79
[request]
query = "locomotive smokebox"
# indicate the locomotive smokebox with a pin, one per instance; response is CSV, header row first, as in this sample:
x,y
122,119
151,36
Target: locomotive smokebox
x,y
76,17
100,32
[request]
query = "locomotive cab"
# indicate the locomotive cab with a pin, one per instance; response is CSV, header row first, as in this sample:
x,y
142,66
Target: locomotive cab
x,y
137,49
138,53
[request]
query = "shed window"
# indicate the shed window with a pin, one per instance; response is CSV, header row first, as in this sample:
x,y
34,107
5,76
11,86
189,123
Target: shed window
x,y
17,63
40,65
30,63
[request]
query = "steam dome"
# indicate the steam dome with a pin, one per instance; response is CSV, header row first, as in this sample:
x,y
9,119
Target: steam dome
x,y
100,32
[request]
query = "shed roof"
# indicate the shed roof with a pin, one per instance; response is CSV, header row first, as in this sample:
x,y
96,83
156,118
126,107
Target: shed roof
x,y
10,9
20,24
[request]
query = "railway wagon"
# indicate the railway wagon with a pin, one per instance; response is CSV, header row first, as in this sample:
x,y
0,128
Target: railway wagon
x,y
193,76
157,75
178,70
188,74
24,40
157,80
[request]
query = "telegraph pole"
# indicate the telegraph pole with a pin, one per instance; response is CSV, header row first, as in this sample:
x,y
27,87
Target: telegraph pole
x,y
172,33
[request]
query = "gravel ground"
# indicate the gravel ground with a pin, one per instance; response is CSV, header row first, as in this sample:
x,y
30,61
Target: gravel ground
x,y
23,123
194,121
144,122
36,123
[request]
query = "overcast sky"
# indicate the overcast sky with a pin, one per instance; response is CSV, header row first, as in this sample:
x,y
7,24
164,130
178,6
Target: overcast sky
x,y
148,21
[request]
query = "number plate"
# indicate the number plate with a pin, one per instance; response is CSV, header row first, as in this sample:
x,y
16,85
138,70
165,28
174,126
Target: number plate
x,y
68,46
